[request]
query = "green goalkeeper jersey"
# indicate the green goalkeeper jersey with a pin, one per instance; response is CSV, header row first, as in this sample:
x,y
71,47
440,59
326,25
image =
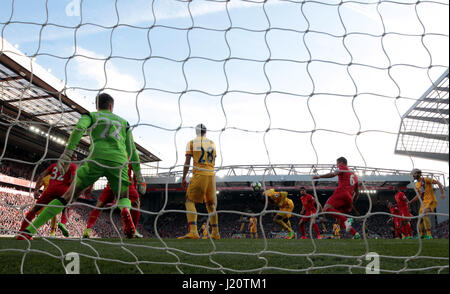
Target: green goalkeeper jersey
x,y
111,138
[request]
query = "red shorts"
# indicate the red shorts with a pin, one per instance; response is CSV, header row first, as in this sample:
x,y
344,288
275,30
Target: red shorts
x,y
397,222
51,193
308,213
342,201
404,212
107,195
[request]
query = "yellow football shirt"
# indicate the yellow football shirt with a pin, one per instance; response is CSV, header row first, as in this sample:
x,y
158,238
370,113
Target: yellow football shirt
x,y
279,198
203,151
336,229
46,182
204,230
425,189
252,224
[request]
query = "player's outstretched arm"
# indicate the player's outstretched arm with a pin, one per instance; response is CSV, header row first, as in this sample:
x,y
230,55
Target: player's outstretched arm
x,y
187,165
413,200
66,157
325,176
441,188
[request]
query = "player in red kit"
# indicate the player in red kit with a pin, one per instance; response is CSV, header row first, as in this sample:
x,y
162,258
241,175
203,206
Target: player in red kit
x,y
58,185
342,199
106,197
308,209
403,207
397,221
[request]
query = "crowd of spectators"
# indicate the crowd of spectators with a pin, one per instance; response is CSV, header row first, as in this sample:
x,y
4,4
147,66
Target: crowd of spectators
x,y
441,230
172,224
21,170
13,207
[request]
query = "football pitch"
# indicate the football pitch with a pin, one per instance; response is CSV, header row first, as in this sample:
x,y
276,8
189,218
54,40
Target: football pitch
x,y
231,256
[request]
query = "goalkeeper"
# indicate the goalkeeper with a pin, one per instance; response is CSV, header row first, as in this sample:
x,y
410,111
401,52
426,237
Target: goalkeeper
x,y
112,141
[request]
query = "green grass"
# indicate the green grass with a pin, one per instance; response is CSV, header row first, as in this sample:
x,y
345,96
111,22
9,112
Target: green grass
x,y
229,256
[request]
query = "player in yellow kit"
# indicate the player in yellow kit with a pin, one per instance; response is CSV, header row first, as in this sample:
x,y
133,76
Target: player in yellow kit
x,y
202,186
336,231
424,189
285,204
252,228
204,230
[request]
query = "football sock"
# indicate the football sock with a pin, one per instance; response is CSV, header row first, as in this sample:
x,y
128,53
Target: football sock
x,y
135,215
282,224
422,226
64,216
93,218
191,217
316,229
53,225
214,218
302,229
28,218
215,229
408,229
427,224
46,214
288,223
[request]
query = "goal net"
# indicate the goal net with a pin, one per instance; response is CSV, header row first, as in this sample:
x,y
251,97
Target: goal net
x,y
284,89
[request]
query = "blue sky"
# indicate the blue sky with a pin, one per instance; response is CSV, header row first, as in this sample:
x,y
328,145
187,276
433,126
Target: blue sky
x,y
220,59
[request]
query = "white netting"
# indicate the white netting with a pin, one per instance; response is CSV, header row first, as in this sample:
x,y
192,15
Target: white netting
x,y
284,87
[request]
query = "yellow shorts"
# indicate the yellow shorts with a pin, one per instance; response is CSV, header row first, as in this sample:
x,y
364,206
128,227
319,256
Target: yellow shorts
x,y
201,189
428,204
253,230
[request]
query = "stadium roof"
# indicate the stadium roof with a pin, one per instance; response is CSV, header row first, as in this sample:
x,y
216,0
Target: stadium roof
x,y
292,177
424,127
35,101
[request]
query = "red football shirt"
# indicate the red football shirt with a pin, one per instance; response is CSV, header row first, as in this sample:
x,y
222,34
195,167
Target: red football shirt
x,y
346,179
402,201
394,210
308,202
58,180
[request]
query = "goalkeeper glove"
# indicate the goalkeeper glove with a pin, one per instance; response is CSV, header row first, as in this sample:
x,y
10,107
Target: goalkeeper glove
x,y
141,184
64,161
